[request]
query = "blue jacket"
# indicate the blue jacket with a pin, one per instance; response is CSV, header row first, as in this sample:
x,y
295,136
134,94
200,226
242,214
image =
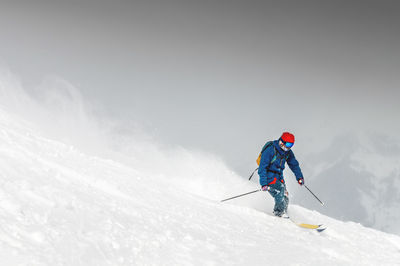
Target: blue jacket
x,y
272,164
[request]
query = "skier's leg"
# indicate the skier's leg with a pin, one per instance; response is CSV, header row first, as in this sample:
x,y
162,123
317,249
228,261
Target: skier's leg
x,y
286,198
277,191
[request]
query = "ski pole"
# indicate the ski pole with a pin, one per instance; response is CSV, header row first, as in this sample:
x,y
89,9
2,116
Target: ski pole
x,y
241,195
253,173
315,196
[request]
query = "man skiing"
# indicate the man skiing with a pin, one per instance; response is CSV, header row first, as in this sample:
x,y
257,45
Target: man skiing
x,y
272,164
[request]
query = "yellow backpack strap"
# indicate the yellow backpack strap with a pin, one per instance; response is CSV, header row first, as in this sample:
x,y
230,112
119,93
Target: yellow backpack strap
x,y
258,159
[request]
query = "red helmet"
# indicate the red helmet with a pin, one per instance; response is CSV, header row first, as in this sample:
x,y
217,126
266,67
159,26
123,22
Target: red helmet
x,y
287,137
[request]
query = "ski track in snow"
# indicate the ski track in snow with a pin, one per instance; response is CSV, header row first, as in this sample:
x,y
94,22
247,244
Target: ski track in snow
x,y
59,206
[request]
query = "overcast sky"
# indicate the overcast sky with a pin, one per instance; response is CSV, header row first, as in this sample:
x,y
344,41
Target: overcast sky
x,y
220,76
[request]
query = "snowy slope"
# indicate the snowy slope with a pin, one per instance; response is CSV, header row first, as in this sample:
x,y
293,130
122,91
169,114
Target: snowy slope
x,y
59,206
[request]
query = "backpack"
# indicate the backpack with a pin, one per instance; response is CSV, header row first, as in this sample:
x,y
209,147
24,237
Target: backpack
x,y
269,143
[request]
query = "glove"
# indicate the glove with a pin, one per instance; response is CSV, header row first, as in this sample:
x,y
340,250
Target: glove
x,y
301,181
265,188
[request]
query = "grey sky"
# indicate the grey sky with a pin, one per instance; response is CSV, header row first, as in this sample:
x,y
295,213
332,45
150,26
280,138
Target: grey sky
x,y
221,76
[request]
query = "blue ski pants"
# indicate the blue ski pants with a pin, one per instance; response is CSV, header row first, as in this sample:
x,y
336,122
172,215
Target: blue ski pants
x,y
280,195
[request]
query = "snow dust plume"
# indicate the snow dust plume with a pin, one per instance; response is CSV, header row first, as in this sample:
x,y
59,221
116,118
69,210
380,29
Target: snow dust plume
x,y
58,110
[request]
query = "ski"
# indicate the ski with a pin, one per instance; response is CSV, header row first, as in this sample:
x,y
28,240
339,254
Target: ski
x,y
317,227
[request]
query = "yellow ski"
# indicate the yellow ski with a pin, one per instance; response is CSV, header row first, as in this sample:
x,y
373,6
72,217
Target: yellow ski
x,y
311,226
318,227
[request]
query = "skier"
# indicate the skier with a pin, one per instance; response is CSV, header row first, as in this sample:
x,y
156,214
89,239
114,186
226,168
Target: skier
x,y
272,164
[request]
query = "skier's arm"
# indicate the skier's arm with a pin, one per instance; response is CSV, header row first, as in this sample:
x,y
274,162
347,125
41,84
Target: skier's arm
x,y
294,166
266,158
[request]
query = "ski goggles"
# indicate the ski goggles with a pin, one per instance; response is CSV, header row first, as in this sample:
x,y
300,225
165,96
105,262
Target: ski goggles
x,y
288,144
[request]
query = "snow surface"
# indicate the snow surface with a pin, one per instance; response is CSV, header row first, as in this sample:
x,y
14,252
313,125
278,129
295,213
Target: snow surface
x,y
59,206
